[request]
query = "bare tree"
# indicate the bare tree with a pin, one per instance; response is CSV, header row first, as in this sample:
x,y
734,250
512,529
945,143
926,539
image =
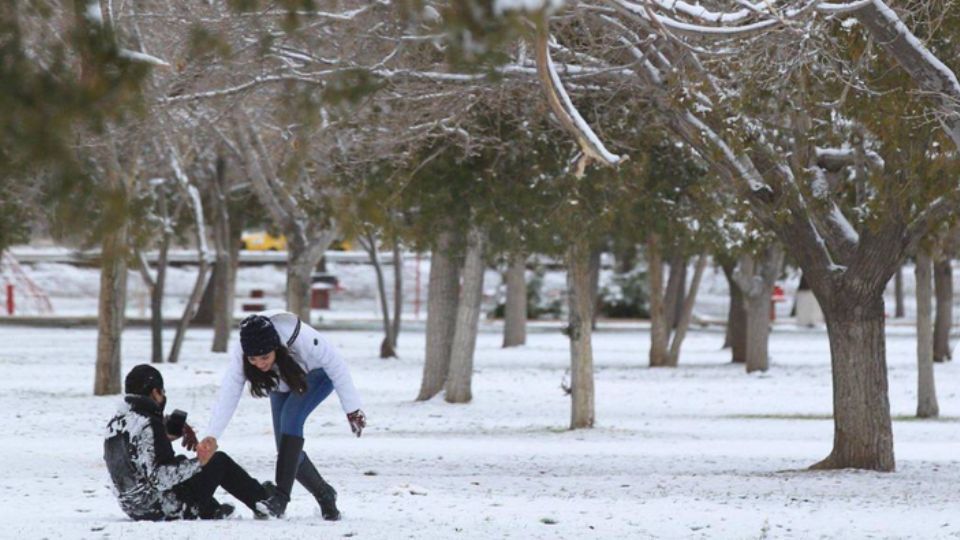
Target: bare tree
x,y
442,301
755,277
515,309
926,389
579,330
460,377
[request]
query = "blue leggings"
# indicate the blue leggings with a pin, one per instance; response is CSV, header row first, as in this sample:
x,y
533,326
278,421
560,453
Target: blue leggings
x,y
290,409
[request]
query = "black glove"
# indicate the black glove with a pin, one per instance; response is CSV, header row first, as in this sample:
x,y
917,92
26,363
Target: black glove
x,y
358,421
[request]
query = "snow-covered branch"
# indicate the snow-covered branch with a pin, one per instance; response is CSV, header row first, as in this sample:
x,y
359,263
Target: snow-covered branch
x,y
563,108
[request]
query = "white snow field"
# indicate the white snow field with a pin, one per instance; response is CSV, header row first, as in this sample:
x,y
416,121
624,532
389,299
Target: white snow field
x,y
702,451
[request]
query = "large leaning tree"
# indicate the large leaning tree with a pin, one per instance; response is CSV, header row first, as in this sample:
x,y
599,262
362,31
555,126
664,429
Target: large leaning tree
x,y
760,92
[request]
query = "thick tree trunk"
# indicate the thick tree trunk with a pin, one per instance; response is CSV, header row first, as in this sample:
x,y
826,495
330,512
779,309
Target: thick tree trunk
x,y
736,335
579,292
676,290
224,270
756,277
926,388
686,312
301,261
659,329
112,308
458,387
757,310
863,436
899,311
515,311
943,285
443,296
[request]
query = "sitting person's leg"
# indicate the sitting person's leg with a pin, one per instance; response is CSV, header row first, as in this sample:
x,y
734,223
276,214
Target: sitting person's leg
x,y
222,471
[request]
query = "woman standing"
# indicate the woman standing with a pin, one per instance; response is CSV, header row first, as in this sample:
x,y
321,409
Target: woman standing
x,y
297,368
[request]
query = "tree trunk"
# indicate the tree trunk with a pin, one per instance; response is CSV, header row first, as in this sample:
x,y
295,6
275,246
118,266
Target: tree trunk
x,y
112,308
579,292
457,389
595,255
515,311
926,388
686,311
899,311
659,329
756,277
442,299
189,310
943,285
224,270
757,314
676,289
386,345
397,293
301,261
863,436
736,336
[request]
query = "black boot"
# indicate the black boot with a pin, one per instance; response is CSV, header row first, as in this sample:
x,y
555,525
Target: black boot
x,y
288,457
270,489
326,496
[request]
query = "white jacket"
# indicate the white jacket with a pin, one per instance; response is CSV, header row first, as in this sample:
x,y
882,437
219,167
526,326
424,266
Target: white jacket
x,y
309,349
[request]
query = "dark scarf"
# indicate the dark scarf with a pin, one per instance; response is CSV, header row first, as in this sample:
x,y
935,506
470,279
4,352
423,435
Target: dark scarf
x,y
145,405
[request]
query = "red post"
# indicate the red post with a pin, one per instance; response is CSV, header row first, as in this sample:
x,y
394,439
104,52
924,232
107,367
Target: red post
x,y
10,303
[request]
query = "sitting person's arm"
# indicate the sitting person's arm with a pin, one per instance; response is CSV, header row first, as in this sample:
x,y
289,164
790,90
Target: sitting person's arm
x,y
157,460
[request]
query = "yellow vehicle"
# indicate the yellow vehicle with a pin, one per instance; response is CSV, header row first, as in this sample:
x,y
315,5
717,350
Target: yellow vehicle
x,y
263,241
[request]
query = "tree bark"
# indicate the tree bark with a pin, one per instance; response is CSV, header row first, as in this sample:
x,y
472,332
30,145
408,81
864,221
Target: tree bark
x,y
863,435
926,388
397,293
579,292
595,254
224,273
943,285
112,311
458,387
189,310
442,299
686,311
757,311
515,311
899,311
659,329
756,278
736,335
301,261
676,290
386,345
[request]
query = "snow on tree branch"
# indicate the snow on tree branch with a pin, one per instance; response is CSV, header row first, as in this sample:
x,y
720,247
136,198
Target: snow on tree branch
x,y
563,108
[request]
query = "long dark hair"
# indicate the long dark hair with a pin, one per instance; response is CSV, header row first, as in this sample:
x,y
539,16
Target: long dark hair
x,y
264,382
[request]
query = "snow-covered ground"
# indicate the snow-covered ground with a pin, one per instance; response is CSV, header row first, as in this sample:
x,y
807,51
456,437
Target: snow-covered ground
x,y
702,451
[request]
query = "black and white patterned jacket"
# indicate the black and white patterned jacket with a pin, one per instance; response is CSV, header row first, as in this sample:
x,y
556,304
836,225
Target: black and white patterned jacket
x,y
144,469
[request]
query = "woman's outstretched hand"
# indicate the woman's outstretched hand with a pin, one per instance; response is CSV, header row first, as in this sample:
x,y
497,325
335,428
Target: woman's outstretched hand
x,y
358,421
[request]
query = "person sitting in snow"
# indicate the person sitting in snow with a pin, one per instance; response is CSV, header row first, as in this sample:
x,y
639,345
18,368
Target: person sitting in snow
x,y
293,364
150,481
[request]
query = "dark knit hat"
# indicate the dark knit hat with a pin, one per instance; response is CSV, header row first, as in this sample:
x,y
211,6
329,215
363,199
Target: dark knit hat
x,y
258,336
142,379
